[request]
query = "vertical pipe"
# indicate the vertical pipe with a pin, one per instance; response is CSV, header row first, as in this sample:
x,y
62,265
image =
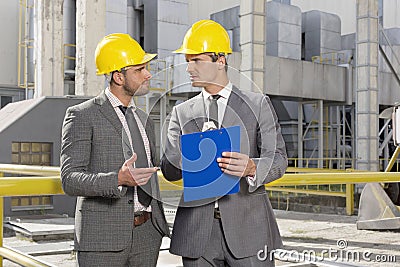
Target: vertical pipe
x,y
329,137
320,133
26,44
338,140
386,149
353,137
1,228
349,199
344,120
300,134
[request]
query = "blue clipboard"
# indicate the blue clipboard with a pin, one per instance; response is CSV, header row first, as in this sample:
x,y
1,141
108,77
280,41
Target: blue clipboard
x,y
202,177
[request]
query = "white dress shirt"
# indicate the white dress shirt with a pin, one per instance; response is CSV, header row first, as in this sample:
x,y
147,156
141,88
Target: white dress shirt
x,y
115,102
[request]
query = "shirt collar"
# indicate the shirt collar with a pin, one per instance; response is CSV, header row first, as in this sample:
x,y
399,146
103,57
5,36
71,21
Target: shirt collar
x,y
115,102
225,92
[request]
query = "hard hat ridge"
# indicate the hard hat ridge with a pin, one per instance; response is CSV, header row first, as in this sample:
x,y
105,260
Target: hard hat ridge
x,y
205,36
118,50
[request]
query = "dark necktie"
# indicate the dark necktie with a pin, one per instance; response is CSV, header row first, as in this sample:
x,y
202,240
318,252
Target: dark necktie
x,y
213,109
144,191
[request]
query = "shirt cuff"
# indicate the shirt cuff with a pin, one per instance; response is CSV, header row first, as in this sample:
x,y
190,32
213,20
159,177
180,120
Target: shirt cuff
x,y
251,180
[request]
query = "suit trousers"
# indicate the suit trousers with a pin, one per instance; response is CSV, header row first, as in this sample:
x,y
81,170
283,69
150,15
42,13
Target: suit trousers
x,y
143,251
218,255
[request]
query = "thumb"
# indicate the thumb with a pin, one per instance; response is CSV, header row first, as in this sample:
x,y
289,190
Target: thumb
x,y
132,159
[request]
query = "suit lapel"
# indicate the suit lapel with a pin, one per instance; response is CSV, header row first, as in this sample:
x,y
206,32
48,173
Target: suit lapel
x,y
144,118
198,112
233,107
108,112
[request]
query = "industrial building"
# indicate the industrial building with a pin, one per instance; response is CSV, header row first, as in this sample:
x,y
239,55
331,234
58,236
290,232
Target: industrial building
x,y
330,68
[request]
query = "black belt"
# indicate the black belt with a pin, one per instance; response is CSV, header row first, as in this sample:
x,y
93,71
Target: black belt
x,y
217,213
141,217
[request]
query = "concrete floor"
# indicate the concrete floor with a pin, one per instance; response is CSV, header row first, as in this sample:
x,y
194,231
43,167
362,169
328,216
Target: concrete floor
x,y
301,232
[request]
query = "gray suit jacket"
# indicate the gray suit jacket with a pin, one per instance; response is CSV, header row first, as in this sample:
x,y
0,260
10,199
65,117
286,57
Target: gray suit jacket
x,y
247,217
91,156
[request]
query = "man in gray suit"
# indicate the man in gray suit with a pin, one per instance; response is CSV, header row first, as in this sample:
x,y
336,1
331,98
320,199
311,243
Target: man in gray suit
x,y
108,159
237,229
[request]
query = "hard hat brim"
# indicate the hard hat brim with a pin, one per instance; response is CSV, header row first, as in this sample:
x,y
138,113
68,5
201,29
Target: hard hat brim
x,y
146,58
187,51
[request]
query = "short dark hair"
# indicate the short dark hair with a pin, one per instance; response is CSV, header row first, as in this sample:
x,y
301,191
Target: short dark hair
x,y
215,56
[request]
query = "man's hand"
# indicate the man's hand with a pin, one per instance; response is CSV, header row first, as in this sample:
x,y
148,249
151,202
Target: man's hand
x,y
237,164
130,176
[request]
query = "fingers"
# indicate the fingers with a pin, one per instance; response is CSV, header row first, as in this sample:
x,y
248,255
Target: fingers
x,y
233,163
131,160
142,175
234,155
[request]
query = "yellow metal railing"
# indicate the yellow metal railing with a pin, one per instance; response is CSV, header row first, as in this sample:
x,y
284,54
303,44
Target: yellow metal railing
x,y
341,163
334,58
50,184
25,44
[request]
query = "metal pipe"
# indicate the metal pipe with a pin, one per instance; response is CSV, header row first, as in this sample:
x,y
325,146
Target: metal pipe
x,y
300,133
31,170
393,159
321,133
336,178
22,258
28,186
1,228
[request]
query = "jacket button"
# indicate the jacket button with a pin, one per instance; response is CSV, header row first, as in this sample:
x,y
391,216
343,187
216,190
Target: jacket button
x,y
130,201
129,153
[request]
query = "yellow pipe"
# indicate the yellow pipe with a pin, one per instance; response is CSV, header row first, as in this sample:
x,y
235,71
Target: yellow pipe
x,y
306,191
31,170
12,186
317,179
335,178
21,258
317,170
349,199
28,186
1,228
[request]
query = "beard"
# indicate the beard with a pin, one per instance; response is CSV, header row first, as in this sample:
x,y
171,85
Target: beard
x,y
140,91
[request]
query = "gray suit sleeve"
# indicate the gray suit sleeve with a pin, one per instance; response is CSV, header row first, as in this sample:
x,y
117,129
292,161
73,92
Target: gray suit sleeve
x,y
171,163
272,163
75,160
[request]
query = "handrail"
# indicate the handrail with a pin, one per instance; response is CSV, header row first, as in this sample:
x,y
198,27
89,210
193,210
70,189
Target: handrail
x,y
30,186
336,178
30,169
26,260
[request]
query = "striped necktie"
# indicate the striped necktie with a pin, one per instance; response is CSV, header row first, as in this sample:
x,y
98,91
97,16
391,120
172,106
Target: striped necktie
x,y
144,191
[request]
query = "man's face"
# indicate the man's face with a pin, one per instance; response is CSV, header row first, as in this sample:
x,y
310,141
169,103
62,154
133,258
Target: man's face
x,y
202,71
137,80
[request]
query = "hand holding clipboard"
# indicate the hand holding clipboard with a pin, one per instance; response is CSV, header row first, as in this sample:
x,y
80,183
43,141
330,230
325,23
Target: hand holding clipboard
x,y
202,177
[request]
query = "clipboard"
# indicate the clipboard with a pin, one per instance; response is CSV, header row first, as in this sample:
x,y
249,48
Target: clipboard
x,y
202,177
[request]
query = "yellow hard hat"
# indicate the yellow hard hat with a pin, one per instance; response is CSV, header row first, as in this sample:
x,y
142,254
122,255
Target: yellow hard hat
x,y
119,50
205,36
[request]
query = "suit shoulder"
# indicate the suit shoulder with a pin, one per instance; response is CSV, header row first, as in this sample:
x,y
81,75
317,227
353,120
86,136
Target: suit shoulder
x,y
187,103
252,97
82,107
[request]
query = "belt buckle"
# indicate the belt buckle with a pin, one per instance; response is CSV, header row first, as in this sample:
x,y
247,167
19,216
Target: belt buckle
x,y
140,218
138,214
217,214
